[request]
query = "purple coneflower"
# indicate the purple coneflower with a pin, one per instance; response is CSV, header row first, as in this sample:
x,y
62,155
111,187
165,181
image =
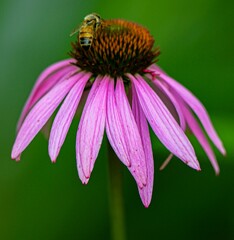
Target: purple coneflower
x,y
126,91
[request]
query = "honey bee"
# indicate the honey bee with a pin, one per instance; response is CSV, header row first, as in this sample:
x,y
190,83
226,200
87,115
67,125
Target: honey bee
x,y
87,30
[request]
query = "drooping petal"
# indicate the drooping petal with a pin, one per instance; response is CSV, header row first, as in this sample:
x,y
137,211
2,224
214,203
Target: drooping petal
x,y
155,70
39,115
146,191
44,83
123,132
197,131
197,107
163,123
52,69
173,101
132,135
113,128
179,112
64,117
91,128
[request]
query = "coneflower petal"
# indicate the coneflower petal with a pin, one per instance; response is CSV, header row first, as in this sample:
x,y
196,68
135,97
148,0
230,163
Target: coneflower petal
x,y
197,107
45,82
91,127
132,135
123,133
113,128
164,125
197,131
146,191
52,69
40,114
64,117
175,103
41,91
173,100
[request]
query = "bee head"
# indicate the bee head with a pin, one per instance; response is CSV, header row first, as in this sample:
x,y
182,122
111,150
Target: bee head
x,y
92,18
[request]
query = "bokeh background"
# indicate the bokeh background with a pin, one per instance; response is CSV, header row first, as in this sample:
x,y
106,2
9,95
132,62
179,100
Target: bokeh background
x,y
40,200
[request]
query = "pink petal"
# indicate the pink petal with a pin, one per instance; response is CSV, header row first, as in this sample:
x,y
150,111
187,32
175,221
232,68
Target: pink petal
x,y
146,191
197,131
45,82
40,114
152,68
114,130
163,123
53,68
161,86
132,137
123,132
197,107
173,100
64,117
91,128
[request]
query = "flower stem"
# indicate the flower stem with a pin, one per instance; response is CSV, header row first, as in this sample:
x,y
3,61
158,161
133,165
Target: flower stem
x,y
116,197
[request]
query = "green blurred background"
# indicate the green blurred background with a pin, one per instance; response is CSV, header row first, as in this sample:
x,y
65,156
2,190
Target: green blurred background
x,y
40,200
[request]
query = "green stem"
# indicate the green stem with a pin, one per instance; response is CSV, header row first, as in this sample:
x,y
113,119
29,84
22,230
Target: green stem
x,y
116,197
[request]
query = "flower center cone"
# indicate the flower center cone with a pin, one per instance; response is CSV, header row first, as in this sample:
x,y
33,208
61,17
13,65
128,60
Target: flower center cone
x,y
118,47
